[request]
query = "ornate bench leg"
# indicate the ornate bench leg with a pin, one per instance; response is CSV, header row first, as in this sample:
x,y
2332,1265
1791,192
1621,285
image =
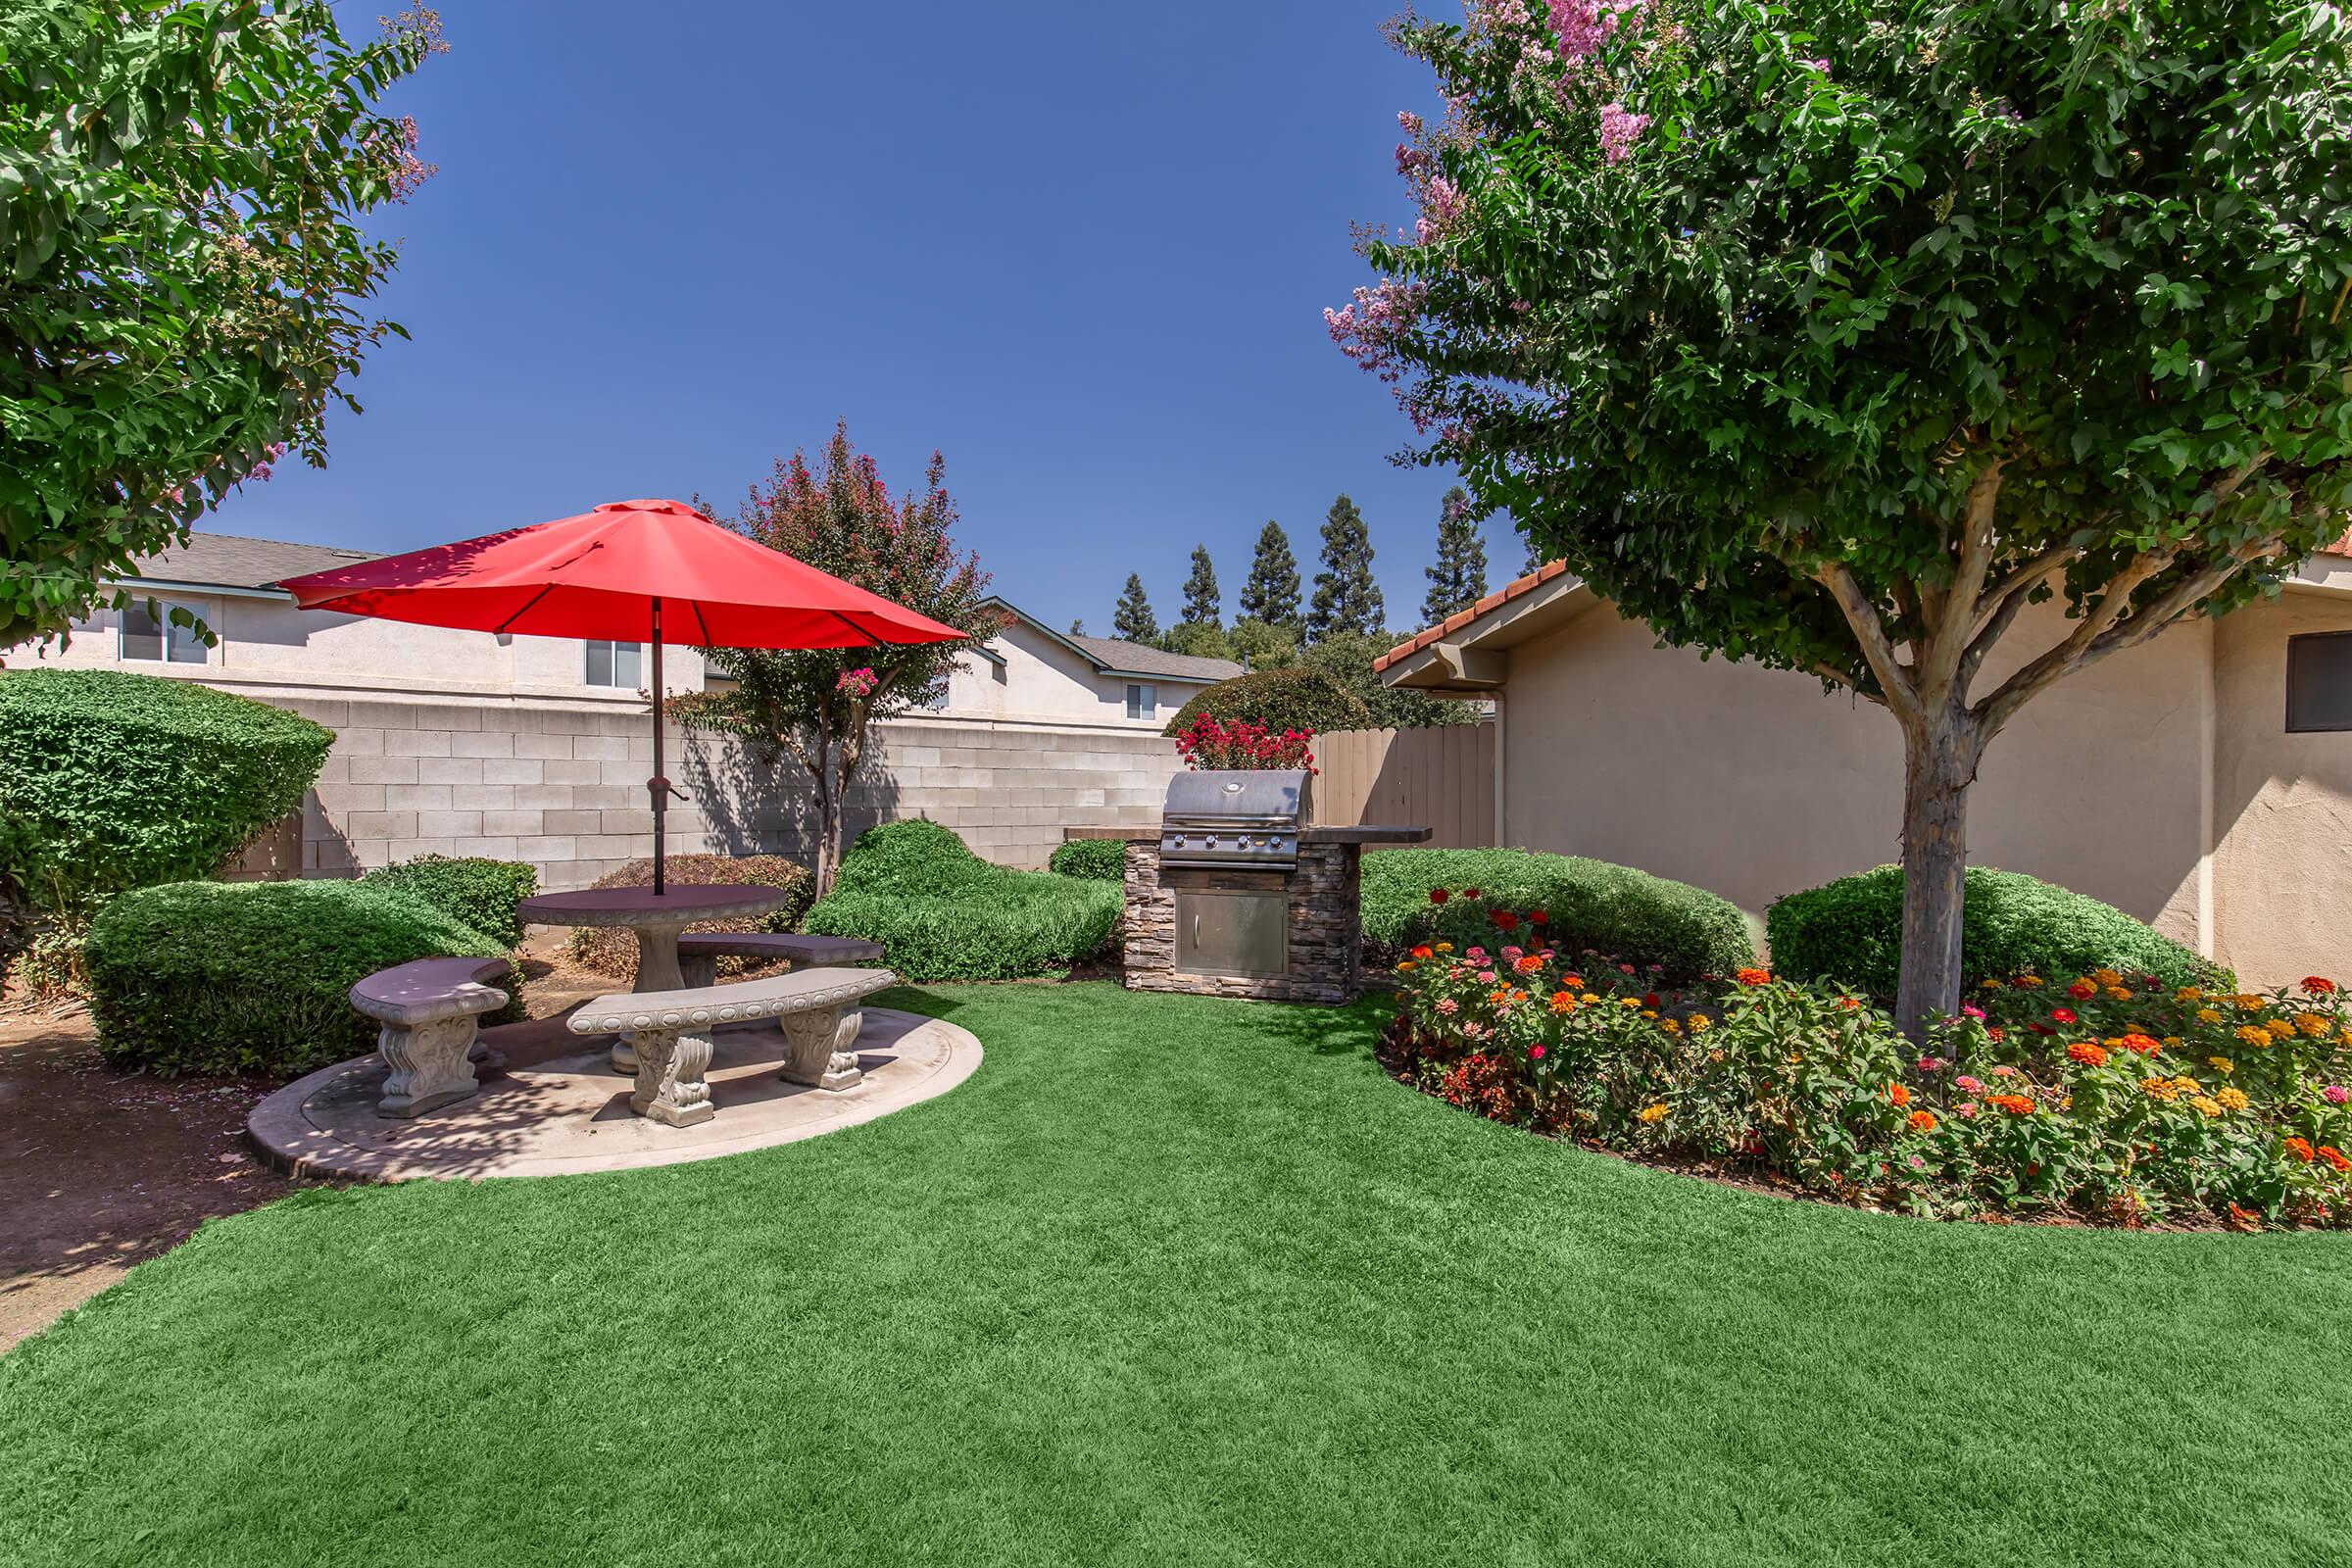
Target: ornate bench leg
x,y
431,1065
670,1086
820,1047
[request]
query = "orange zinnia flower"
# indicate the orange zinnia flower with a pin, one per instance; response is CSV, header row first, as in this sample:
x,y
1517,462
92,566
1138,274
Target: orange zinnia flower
x,y
1753,977
2090,1056
2300,1147
1921,1121
2014,1105
1900,1094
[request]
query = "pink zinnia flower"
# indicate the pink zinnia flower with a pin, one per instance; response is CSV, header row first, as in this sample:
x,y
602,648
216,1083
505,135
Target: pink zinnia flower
x,y
1967,1083
1449,1006
2335,1093
1966,1107
1536,1051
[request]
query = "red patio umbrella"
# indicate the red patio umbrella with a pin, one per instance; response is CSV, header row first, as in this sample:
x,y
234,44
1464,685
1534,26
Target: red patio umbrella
x,y
658,571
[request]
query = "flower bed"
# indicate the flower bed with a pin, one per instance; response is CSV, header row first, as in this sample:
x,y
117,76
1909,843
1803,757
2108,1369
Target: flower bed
x,y
2103,1098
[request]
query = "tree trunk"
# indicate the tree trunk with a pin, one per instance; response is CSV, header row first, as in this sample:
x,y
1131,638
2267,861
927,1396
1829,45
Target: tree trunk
x,y
828,834
1938,762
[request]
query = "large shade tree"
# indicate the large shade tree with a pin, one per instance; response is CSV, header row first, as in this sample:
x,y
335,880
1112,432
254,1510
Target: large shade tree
x,y
183,273
1834,337
818,706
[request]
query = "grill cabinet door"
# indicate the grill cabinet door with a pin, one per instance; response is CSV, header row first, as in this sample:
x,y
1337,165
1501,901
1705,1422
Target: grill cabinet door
x,y
1235,933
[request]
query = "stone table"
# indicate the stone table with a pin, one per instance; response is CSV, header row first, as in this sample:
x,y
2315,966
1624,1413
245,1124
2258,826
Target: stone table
x,y
657,918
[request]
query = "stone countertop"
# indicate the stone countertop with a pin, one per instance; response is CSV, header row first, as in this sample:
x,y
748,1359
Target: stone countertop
x,y
1313,835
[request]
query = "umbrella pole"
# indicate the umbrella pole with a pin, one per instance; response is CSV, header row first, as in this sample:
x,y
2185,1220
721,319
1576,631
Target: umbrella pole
x,y
658,786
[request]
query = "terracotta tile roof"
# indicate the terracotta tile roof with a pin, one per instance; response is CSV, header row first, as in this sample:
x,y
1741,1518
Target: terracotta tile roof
x,y
1463,617
2342,547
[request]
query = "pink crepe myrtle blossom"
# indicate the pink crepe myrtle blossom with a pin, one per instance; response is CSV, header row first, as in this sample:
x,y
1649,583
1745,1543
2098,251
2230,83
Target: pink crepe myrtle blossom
x,y
1619,130
1445,203
1369,330
859,682
1822,66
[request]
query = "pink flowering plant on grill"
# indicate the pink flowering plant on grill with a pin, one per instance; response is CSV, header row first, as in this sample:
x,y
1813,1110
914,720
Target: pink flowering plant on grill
x,y
1209,745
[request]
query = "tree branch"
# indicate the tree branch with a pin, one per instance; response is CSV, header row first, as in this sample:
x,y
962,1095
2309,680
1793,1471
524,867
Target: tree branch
x,y
2017,585
2079,652
1901,697
1954,621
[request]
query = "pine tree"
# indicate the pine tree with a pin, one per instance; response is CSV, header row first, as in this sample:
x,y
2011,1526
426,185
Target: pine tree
x,y
1346,598
1459,580
1271,594
1133,622
1078,627
1534,560
1204,604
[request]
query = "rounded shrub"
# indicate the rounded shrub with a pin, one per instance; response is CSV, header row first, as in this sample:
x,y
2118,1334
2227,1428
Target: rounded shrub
x,y
1589,903
1298,697
1101,860
612,950
472,890
124,781
1851,931
941,912
252,977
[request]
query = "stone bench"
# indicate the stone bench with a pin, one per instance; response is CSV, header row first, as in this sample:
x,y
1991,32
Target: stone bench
x,y
429,1010
817,1010
699,951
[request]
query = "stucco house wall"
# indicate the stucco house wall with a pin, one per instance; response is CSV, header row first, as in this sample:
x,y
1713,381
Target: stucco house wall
x,y
2162,780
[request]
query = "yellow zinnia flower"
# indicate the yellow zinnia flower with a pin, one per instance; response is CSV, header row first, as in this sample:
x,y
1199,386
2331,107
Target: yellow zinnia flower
x,y
1699,1020
2210,1108
2221,1064
2280,1027
2107,977
2188,994
2234,1099
2208,1015
2311,1025
1655,1114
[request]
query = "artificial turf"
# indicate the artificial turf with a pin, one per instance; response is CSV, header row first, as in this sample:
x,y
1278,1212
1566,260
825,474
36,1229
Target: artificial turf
x,y
1178,1281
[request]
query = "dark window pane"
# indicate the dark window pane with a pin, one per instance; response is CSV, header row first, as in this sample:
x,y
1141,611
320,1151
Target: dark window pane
x,y
600,664
142,636
186,647
628,664
2319,681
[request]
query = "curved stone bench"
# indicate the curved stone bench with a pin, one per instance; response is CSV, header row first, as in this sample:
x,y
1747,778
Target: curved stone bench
x,y
670,1033
429,1010
699,951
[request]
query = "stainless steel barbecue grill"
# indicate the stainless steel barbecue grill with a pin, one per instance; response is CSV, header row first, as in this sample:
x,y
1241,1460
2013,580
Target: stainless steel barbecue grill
x,y
1242,821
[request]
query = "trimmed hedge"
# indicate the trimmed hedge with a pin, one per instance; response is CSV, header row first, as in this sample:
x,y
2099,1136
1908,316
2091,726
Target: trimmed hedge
x,y
1850,931
1298,697
1591,904
1101,860
470,890
612,950
128,780
252,977
941,912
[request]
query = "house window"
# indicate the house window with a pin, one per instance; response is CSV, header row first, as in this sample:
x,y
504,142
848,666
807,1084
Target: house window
x,y
1142,700
618,665
2319,681
152,635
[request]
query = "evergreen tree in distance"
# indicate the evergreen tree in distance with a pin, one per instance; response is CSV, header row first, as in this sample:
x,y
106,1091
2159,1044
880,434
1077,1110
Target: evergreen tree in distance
x,y
1078,627
1459,580
1204,604
1133,622
1271,595
1346,598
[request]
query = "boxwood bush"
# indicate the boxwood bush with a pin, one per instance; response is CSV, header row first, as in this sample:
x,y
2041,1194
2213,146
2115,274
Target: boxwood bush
x,y
1104,860
612,950
472,890
1299,697
1851,931
127,780
941,912
252,977
1591,904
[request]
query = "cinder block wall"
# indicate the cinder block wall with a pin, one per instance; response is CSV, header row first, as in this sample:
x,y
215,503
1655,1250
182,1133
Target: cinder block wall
x,y
563,788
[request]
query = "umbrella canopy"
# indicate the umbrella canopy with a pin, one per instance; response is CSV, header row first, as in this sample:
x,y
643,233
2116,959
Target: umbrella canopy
x,y
656,571
601,573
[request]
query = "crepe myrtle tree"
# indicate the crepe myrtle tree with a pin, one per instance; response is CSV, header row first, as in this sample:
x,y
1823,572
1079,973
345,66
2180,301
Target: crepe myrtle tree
x,y
183,267
818,706
1834,337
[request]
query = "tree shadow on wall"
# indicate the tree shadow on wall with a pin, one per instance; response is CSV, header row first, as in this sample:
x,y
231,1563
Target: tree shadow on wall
x,y
752,804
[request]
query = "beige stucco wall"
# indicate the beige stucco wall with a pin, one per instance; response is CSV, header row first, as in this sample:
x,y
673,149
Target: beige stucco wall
x,y
2282,803
1755,783
269,644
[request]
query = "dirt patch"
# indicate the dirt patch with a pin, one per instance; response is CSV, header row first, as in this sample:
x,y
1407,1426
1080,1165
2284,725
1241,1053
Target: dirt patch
x,y
103,1168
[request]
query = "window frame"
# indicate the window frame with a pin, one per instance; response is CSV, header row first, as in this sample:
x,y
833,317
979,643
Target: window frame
x,y
588,645
1151,708
2288,694
168,637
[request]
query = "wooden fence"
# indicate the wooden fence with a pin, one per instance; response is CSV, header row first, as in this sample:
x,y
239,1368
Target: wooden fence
x,y
1441,778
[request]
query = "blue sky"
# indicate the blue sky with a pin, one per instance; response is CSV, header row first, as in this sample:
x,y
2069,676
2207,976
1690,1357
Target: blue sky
x,y
1083,249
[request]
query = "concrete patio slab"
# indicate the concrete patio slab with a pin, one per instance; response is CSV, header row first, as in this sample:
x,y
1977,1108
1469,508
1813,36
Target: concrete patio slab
x,y
558,1109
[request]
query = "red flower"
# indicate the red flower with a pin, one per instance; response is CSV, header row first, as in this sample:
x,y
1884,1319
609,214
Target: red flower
x,y
2318,985
1425,951
2334,1157
2139,1043
2014,1105
2062,1014
1536,1051
1439,895
2041,1029
1504,920
2082,991
1469,892
1650,1000
1537,917
1754,977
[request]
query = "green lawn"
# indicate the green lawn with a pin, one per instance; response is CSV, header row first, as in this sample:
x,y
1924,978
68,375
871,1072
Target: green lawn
x,y
1171,1281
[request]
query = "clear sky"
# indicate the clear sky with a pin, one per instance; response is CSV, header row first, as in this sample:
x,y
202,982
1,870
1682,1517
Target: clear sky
x,y
1081,248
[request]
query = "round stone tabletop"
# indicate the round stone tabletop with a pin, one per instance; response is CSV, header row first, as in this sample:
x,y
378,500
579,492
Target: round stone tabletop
x,y
642,907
